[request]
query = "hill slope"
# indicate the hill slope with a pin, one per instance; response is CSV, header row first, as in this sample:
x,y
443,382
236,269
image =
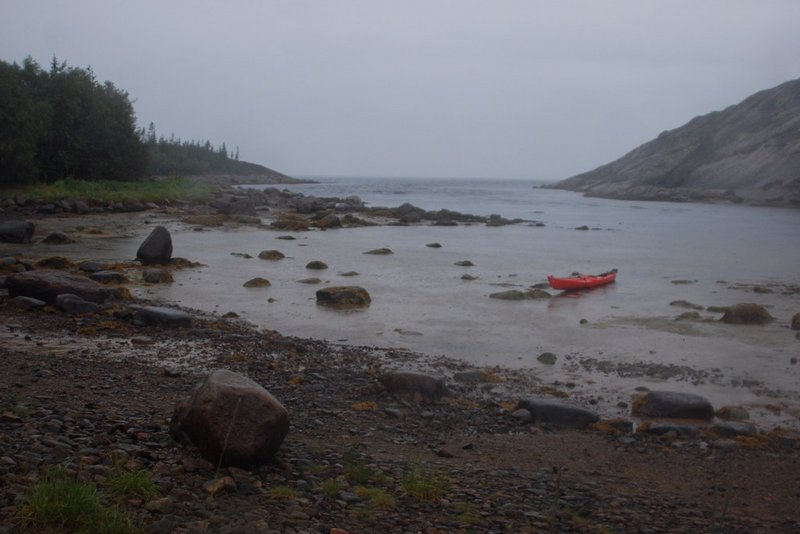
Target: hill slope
x,y
749,152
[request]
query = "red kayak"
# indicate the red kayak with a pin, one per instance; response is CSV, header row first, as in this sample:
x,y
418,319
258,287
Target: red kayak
x,y
582,281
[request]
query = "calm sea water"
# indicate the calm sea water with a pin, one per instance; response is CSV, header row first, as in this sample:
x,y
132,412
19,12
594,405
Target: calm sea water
x,y
709,255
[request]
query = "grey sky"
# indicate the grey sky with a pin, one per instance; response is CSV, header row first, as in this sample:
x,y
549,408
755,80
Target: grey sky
x,y
519,89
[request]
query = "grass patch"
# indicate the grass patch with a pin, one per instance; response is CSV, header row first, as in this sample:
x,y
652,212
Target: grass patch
x,y
467,513
283,493
59,503
330,488
376,498
355,470
114,191
132,485
422,485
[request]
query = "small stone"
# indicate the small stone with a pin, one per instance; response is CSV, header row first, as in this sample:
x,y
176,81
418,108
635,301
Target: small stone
x,y
547,358
159,506
271,255
380,252
257,282
464,263
316,265
219,484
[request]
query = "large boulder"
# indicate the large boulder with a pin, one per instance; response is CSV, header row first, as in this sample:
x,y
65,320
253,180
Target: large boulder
x,y
156,249
746,313
14,231
232,420
46,285
671,404
343,297
558,412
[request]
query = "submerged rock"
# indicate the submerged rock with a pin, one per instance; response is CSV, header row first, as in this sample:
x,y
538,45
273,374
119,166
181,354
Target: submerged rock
x,y
516,294
380,251
747,313
343,297
271,255
257,282
316,265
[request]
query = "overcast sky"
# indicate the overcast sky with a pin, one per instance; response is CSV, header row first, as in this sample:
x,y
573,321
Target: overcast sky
x,y
514,89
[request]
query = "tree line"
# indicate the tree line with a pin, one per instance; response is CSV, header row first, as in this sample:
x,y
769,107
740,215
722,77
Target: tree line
x,y
62,123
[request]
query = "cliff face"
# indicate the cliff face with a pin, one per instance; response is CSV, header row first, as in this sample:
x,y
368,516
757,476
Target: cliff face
x,y
749,152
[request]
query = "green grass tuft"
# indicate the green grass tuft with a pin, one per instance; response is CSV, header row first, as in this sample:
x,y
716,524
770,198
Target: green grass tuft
x,y
283,493
422,485
60,503
330,488
132,485
376,498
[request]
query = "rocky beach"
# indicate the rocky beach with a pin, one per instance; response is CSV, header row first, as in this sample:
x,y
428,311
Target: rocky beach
x,y
380,439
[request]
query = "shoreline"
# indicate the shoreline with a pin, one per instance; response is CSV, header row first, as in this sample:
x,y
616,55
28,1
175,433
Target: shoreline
x,y
503,472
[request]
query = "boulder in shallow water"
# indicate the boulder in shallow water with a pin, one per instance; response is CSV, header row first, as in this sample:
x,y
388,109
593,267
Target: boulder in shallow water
x,y
380,251
257,282
671,404
316,265
516,294
746,313
156,249
796,321
271,255
343,297
15,231
232,420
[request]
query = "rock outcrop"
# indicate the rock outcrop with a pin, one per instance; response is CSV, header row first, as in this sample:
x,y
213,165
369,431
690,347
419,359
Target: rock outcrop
x,y
46,285
749,152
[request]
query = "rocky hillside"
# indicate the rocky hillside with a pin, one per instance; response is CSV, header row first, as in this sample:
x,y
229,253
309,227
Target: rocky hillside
x,y
749,152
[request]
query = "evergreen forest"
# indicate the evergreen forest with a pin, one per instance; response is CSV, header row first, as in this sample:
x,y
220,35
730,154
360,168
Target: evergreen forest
x,y
61,123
